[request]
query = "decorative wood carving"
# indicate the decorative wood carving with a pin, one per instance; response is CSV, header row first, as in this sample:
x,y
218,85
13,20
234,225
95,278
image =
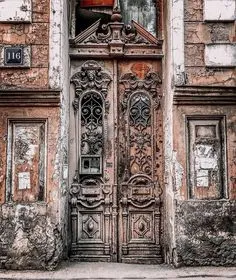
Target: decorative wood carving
x,y
140,98
140,190
90,77
115,39
149,84
100,209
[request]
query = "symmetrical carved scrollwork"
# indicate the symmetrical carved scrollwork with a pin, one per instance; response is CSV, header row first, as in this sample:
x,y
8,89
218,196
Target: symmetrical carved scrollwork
x,y
149,84
116,30
90,77
140,191
140,140
91,89
89,192
140,98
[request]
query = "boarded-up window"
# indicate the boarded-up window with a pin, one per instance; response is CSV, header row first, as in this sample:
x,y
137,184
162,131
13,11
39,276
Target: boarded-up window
x,y
26,160
206,158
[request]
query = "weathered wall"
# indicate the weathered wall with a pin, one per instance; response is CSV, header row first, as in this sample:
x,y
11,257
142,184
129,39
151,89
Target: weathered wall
x,y
29,237
30,232
201,35
33,165
204,211
34,34
181,144
205,232
202,190
167,103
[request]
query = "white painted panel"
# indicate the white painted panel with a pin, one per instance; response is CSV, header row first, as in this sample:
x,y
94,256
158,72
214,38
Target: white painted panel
x,y
219,10
220,55
15,10
177,29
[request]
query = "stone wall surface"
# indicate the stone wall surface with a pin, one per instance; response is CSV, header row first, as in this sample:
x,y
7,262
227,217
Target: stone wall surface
x,y
29,237
30,232
199,35
206,232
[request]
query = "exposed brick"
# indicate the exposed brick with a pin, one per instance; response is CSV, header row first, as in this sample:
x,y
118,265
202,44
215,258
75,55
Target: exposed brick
x,y
41,13
196,33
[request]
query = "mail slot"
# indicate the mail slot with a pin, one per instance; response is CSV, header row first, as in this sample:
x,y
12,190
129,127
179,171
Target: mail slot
x,y
91,165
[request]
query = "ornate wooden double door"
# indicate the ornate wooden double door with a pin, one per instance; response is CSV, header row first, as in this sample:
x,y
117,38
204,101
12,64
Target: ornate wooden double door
x,y
116,192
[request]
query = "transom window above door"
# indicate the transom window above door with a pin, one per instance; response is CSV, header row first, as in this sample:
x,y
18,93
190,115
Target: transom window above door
x,y
87,12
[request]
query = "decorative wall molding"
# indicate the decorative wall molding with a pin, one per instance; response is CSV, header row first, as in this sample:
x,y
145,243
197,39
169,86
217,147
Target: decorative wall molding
x,y
204,95
31,98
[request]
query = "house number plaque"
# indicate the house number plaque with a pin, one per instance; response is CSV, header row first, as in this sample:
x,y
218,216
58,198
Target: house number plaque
x,y
13,56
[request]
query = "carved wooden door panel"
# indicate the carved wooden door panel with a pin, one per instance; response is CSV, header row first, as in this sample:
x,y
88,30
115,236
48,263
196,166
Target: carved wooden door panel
x,y
93,191
139,163
115,194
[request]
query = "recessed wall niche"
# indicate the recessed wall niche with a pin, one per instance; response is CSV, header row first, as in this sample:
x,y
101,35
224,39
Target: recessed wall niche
x,y
206,158
26,160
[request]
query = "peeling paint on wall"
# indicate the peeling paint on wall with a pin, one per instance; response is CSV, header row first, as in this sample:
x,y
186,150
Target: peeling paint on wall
x,y
15,11
206,160
178,173
219,10
220,55
26,161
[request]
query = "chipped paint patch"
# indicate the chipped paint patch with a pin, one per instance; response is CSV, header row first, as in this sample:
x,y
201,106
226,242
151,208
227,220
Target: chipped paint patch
x,y
15,11
220,55
219,10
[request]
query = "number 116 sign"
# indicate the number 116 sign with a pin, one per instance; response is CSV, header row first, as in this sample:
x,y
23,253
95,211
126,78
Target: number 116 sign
x,y
13,56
